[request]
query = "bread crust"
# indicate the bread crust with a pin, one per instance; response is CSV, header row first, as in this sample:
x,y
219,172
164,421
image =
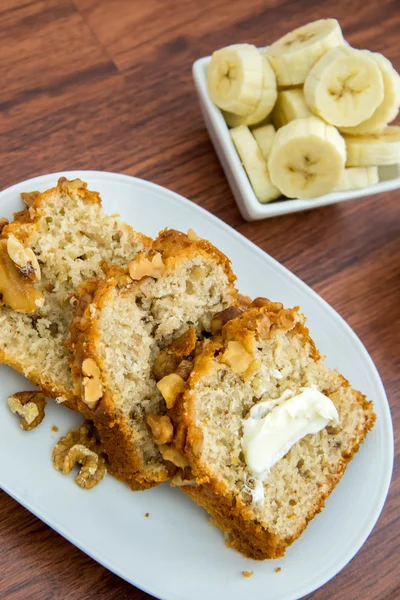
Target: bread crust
x,y
91,297
233,516
25,228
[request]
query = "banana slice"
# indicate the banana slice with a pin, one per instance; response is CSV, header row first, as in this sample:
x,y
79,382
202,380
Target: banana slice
x,y
356,178
254,163
267,100
375,149
389,108
295,53
264,137
344,87
387,172
290,105
307,158
235,78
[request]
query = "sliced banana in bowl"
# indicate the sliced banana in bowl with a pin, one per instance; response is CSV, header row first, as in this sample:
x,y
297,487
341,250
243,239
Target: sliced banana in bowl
x,y
375,149
344,87
266,103
290,105
390,105
307,158
235,78
255,164
356,178
301,120
293,55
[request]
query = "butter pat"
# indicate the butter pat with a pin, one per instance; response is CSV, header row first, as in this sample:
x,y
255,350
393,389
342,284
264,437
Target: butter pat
x,y
274,426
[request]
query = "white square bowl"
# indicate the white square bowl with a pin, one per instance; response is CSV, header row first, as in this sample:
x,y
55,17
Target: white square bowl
x,y
250,208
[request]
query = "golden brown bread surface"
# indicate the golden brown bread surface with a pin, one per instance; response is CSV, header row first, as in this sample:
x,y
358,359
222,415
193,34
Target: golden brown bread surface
x,y
71,237
122,324
271,352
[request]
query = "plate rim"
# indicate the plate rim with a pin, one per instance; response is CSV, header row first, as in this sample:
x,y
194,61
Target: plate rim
x,y
250,208
318,581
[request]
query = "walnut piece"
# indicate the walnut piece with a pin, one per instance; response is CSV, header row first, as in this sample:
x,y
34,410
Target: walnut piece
x,y
184,369
168,360
3,223
73,184
92,386
81,446
220,319
237,357
29,406
23,258
16,289
192,235
161,427
170,387
174,456
29,197
142,266
244,301
165,363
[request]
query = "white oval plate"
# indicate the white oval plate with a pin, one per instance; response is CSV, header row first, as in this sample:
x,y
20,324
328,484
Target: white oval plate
x,y
174,554
250,208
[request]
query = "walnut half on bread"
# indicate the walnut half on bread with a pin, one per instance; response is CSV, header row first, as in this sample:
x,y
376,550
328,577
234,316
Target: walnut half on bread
x,y
135,326
266,358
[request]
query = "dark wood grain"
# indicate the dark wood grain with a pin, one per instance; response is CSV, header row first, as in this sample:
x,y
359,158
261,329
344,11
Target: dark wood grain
x,y
95,84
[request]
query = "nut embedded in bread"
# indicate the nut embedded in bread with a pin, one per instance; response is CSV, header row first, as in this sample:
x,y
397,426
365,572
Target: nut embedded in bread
x,y
264,356
62,238
122,325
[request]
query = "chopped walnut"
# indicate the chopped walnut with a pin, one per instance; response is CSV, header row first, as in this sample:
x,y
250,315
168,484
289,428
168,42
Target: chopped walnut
x,y
184,369
161,427
73,184
244,301
24,258
165,363
174,456
3,223
30,406
220,319
192,235
168,360
170,387
92,386
237,357
29,197
81,446
142,266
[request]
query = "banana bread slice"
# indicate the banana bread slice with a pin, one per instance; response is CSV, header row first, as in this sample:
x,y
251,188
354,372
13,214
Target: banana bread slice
x,y
70,237
122,323
265,355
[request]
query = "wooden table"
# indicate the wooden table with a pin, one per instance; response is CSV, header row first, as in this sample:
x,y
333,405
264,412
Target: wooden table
x,y
97,84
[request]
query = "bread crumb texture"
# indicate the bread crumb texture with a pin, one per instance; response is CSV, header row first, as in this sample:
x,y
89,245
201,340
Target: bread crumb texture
x,y
209,419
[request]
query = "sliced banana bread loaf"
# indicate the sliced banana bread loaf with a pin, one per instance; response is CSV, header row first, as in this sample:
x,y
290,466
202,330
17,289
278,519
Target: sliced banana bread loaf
x,y
264,428
121,324
61,239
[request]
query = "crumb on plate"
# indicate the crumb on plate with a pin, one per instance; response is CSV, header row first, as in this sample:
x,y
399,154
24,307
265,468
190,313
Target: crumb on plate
x,y
54,428
247,573
278,569
147,515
